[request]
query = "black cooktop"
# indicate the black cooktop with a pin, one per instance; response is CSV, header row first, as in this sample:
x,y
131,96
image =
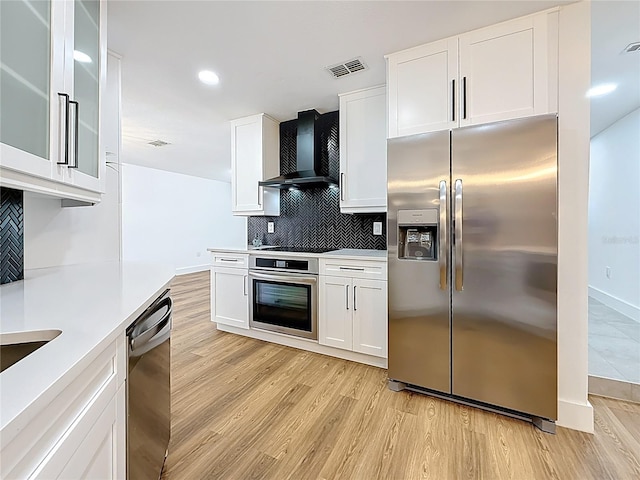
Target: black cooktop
x,y
300,249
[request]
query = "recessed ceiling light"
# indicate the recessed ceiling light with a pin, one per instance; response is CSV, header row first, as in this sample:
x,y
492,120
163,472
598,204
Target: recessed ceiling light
x,y
208,77
159,143
600,90
81,57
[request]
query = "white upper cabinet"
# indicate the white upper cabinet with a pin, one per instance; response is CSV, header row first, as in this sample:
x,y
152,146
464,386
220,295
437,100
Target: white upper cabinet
x,y
504,71
52,75
363,151
89,81
255,156
421,84
496,73
32,36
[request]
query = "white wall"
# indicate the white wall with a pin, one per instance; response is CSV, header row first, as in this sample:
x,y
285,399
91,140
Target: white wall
x,y
173,218
574,52
614,215
64,236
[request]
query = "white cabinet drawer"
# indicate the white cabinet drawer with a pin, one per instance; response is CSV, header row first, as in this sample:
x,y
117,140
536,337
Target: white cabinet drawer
x,y
231,260
98,379
371,269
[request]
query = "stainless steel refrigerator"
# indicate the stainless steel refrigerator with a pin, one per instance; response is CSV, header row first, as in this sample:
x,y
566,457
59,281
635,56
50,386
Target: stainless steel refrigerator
x,y
472,245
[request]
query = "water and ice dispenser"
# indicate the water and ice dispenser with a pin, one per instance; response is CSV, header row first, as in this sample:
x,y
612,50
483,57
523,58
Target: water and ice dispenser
x,y
418,234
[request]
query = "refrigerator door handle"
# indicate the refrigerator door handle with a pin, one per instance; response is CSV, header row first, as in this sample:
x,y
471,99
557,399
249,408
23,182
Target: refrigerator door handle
x,y
459,266
443,236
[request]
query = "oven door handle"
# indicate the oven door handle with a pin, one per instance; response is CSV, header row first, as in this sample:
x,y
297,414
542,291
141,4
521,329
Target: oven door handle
x,y
302,279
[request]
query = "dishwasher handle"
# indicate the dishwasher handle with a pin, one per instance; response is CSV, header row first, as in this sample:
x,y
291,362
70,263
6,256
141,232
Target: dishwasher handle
x,y
140,343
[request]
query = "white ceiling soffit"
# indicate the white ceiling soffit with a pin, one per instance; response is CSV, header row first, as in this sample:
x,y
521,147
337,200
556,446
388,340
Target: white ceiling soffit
x,y
614,25
270,57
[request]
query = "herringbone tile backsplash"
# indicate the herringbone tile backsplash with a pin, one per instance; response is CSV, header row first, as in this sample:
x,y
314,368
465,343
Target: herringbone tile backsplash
x,y
311,218
11,235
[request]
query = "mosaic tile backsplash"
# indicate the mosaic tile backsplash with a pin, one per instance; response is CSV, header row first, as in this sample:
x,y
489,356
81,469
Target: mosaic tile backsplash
x,y
11,235
311,218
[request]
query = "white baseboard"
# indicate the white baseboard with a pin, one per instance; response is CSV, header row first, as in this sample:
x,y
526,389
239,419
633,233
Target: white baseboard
x,y
194,269
617,304
576,416
304,344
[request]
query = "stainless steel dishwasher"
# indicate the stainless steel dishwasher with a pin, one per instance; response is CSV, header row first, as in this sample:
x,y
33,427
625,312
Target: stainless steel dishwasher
x,y
149,390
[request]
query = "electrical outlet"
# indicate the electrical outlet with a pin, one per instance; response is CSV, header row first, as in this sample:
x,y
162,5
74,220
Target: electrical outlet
x,y
270,227
377,228
607,271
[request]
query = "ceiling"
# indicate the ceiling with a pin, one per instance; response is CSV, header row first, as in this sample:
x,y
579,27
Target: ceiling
x,y
270,57
614,25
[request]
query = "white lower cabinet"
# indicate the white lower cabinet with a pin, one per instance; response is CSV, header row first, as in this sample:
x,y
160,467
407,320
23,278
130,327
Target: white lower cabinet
x,y
81,432
94,447
353,311
370,317
335,322
230,290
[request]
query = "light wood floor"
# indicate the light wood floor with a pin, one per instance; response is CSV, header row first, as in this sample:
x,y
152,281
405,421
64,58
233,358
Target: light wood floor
x,y
245,409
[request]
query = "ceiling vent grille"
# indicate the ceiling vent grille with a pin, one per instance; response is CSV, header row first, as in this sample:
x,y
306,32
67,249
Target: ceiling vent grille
x,y
632,47
159,143
351,66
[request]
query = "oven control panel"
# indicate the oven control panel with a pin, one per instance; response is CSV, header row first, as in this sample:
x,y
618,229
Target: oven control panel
x,y
293,264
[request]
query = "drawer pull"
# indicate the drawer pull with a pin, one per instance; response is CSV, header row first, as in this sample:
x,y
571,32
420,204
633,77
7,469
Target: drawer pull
x,y
353,269
228,259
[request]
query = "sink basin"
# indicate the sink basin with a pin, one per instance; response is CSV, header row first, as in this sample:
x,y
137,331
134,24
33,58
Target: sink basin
x,y
16,346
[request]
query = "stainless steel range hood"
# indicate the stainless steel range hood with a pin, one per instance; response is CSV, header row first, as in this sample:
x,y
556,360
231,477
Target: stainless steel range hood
x,y
307,158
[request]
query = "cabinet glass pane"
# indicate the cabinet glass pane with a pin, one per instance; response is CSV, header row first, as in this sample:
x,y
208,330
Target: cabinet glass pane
x,y
25,49
86,76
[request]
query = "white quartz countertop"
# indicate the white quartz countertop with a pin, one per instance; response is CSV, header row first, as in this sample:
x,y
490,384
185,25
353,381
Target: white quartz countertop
x,y
92,304
356,253
345,253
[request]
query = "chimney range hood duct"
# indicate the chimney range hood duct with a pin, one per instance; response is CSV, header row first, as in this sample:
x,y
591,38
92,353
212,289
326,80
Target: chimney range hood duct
x,y
307,158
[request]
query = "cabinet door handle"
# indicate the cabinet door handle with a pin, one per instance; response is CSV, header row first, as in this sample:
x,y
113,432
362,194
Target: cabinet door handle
x,y
342,186
244,285
75,133
347,295
355,305
464,97
453,100
66,128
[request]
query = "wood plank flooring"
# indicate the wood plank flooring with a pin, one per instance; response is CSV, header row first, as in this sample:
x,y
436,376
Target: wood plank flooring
x,y
246,409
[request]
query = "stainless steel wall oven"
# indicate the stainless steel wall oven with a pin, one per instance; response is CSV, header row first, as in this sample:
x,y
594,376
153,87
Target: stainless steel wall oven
x,y
283,295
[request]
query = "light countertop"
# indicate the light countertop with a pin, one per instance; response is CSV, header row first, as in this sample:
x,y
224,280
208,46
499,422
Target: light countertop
x,y
355,253
92,304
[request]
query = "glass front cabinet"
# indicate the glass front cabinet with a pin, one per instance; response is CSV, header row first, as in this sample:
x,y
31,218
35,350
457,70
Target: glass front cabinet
x,y
52,75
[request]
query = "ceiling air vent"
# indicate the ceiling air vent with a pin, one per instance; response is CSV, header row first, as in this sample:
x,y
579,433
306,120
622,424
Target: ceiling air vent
x,y
632,47
159,143
352,66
